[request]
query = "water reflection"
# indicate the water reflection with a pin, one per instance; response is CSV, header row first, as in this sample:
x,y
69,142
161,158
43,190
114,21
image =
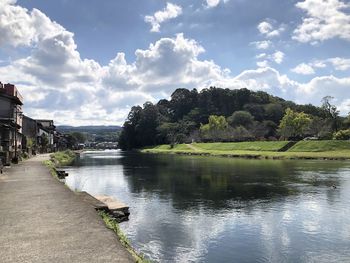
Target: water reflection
x,y
225,210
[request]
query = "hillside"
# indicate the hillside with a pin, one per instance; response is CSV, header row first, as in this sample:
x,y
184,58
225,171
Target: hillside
x,y
94,133
227,115
88,129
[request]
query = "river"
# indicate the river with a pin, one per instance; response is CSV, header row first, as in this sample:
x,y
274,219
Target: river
x,y
208,209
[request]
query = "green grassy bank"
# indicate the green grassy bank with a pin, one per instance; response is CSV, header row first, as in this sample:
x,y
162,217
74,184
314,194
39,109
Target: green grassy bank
x,y
59,159
338,150
114,226
64,158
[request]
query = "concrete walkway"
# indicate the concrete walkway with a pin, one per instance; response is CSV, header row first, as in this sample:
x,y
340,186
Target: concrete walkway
x,y
41,220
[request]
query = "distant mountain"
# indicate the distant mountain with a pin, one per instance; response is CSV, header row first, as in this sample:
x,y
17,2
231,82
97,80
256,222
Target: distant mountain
x,y
89,129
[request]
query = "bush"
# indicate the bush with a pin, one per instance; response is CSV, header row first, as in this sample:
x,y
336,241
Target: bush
x,y
342,135
63,158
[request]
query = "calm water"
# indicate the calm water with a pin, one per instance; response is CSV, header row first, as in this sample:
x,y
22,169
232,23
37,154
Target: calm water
x,y
200,209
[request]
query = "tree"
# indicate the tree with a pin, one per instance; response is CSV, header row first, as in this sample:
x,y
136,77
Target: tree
x,y
182,101
319,128
215,129
240,118
274,112
347,121
79,137
128,138
342,135
294,124
146,128
168,131
331,112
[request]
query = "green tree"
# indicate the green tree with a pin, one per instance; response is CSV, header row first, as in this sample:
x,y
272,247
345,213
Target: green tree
x,y
79,137
169,130
215,129
294,124
347,121
146,128
240,118
274,112
342,135
128,138
331,112
320,128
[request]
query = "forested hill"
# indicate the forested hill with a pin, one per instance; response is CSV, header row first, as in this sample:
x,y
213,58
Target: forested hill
x,y
88,129
233,115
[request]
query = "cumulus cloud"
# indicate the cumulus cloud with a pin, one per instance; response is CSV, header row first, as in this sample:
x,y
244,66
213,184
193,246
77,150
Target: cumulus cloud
x,y
339,64
212,3
268,30
319,87
278,57
326,19
265,44
262,64
171,11
19,27
303,69
57,83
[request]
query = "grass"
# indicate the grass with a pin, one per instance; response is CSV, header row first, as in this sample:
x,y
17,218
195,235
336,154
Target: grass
x,y
320,146
262,150
63,158
243,146
51,167
112,224
177,147
59,159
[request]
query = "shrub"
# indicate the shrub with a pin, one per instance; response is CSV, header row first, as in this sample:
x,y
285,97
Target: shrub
x,y
342,135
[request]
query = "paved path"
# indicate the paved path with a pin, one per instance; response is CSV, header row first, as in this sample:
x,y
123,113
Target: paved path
x,y
41,220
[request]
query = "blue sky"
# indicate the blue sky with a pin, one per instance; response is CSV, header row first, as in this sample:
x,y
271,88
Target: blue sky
x,y
88,62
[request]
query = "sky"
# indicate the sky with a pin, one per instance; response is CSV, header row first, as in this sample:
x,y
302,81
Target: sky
x,y
87,62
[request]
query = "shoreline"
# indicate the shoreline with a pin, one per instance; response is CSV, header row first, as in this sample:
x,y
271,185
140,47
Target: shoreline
x,y
66,159
269,155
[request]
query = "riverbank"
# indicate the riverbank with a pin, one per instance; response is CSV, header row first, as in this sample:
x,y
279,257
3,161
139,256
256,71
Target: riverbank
x,y
66,158
330,150
43,221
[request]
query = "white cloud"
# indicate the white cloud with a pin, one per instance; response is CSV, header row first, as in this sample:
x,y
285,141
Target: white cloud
x,y
303,69
318,87
325,19
267,29
265,44
262,64
341,64
261,55
345,106
171,11
212,3
278,57
21,28
318,64
57,83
